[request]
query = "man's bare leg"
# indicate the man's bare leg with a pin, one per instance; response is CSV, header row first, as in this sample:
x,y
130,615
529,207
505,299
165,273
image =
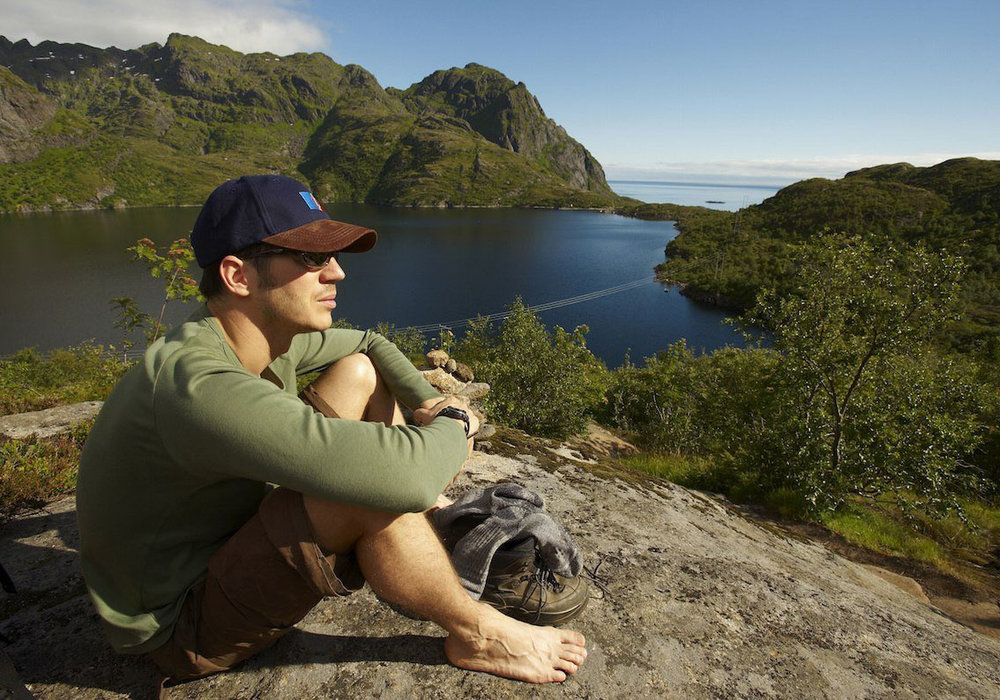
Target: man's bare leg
x,y
405,563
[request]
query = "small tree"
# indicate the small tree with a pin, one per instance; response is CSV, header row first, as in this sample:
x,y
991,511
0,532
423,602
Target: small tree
x,y
169,263
862,410
541,381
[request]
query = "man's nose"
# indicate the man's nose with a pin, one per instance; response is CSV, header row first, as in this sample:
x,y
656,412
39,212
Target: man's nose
x,y
333,272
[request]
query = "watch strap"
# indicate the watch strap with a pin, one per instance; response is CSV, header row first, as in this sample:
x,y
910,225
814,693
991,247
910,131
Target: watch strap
x,y
457,414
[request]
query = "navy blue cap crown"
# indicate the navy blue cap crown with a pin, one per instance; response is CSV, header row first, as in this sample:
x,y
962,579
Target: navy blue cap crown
x,y
256,208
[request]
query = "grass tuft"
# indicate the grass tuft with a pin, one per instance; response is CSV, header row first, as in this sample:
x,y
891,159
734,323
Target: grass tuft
x,y
32,381
35,470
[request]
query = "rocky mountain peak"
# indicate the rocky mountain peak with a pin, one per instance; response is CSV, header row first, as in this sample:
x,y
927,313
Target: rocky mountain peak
x,y
463,136
510,116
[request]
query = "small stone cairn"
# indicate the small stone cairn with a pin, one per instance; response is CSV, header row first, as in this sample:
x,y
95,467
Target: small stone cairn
x,y
454,378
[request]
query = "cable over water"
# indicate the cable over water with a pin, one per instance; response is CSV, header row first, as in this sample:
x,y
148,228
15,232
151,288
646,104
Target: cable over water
x,y
428,327
500,315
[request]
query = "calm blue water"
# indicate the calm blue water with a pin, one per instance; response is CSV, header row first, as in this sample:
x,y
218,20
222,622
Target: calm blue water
x,y
712,196
60,270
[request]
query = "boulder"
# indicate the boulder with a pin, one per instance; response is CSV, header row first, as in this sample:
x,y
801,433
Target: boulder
x,y
442,381
49,422
476,391
436,358
463,371
696,600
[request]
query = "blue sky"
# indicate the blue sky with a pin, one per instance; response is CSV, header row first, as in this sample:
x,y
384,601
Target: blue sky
x,y
764,90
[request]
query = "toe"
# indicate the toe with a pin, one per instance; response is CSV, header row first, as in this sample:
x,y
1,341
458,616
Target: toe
x,y
567,665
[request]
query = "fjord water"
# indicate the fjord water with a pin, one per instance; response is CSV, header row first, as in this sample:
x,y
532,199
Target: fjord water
x,y
60,270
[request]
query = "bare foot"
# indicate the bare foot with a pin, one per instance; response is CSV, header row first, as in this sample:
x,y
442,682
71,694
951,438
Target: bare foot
x,y
512,649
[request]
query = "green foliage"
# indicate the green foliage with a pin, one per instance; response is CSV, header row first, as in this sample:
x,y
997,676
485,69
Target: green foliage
x,y
865,405
410,341
129,319
968,537
877,530
34,470
445,340
851,399
703,473
30,381
170,263
544,382
729,257
677,402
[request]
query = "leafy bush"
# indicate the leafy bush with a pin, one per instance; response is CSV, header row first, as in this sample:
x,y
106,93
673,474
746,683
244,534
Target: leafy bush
x,y
30,381
410,341
172,264
35,470
544,382
852,398
678,402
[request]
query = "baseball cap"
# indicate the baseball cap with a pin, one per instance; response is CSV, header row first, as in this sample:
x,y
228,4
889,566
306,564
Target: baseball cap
x,y
270,209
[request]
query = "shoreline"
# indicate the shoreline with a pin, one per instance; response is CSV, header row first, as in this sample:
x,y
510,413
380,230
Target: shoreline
x,y
610,209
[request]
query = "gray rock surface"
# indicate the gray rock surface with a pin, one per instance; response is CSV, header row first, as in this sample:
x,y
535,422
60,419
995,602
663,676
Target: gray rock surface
x,y
23,110
49,422
700,602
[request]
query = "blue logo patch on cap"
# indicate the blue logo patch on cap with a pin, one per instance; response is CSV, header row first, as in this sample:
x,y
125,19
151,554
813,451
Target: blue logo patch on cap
x,y
310,201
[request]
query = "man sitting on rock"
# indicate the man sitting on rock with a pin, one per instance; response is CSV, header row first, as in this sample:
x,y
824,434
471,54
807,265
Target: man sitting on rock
x,y
189,554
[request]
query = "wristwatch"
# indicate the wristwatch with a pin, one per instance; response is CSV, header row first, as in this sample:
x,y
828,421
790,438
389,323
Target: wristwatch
x,y
457,414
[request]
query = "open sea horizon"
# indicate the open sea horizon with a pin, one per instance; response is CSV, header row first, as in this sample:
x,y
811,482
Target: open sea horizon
x,y
721,195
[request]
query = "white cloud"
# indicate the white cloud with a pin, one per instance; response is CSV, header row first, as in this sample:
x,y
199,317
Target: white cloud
x,y
280,26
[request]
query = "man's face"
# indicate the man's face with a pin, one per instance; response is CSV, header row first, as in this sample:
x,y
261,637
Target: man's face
x,y
294,299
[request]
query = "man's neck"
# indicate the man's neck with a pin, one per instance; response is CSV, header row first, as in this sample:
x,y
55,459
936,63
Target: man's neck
x,y
254,348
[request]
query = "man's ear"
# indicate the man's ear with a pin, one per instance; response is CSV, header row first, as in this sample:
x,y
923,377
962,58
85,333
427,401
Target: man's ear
x,y
233,273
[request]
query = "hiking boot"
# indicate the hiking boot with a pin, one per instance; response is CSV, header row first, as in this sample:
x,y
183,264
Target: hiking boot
x,y
521,586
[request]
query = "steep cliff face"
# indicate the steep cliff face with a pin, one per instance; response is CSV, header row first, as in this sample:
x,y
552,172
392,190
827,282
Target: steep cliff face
x,y
165,124
23,111
506,114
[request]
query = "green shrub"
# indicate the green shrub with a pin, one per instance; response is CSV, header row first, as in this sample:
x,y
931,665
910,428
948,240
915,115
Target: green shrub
x,y
679,402
31,381
544,382
34,470
410,341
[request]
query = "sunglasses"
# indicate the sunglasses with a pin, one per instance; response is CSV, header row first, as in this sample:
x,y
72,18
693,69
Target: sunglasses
x,y
312,261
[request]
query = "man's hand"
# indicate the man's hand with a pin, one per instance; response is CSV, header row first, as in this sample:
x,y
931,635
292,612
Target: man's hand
x,y
429,409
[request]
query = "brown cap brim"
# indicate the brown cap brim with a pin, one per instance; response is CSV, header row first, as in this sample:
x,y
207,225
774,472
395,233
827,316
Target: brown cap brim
x,y
325,236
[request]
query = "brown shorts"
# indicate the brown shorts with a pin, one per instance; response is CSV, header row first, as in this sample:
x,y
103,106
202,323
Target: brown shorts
x,y
265,579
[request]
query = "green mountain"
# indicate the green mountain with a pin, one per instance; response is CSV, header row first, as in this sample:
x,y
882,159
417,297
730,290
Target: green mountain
x,y
159,125
727,257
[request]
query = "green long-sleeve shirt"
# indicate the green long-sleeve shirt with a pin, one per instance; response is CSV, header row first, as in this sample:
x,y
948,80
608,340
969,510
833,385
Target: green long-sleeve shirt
x,y
187,444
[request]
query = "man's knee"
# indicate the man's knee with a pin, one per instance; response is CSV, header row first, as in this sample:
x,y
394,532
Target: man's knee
x,y
338,526
356,371
344,389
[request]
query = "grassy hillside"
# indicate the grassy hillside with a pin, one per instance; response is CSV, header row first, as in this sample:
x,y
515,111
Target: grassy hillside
x,y
162,125
729,257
